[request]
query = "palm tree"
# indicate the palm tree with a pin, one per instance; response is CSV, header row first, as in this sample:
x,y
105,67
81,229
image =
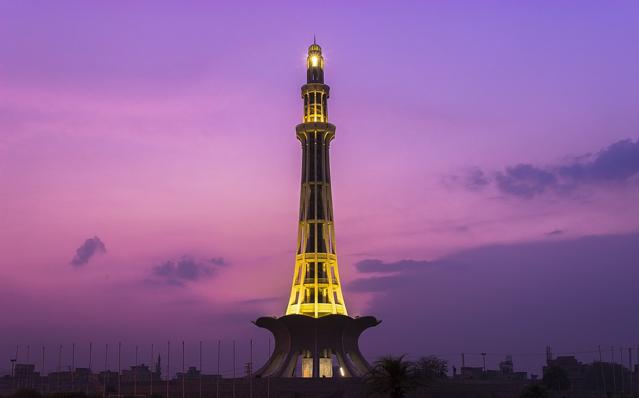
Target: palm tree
x,y
392,377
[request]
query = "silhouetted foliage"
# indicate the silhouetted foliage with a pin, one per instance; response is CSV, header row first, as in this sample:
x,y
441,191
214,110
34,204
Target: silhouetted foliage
x,y
69,394
392,377
26,393
431,368
534,391
556,378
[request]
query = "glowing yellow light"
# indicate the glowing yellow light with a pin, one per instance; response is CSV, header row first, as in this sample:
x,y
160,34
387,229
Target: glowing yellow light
x,y
314,60
341,371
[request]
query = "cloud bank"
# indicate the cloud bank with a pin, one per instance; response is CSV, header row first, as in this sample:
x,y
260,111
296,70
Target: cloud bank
x,y
572,294
617,164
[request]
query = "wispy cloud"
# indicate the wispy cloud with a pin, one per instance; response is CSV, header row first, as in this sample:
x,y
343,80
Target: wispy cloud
x,y
473,179
378,266
185,270
218,261
525,180
262,300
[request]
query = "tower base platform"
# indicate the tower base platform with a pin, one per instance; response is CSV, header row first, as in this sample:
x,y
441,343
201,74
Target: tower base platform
x,y
327,346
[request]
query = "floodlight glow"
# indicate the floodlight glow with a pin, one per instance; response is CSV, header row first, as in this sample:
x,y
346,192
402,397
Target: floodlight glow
x,y
314,60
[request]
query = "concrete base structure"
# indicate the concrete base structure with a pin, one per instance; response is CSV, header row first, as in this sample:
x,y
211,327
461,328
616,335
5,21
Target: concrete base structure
x,y
322,344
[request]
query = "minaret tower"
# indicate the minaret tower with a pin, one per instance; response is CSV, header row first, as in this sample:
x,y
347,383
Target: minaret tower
x,y
316,289
316,335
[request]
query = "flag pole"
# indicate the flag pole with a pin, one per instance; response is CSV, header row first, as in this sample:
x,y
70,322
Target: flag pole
x,y
183,370
151,366
217,382
168,367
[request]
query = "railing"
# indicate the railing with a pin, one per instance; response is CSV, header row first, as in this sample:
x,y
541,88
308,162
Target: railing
x,y
310,281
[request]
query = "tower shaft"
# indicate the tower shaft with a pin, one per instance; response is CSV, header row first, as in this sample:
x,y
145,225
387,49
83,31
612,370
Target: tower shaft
x,y
316,289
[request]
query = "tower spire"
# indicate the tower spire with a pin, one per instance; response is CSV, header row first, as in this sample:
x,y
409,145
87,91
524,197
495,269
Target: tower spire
x,y
316,289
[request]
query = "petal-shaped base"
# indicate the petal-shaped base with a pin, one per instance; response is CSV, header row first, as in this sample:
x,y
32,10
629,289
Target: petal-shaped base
x,y
299,334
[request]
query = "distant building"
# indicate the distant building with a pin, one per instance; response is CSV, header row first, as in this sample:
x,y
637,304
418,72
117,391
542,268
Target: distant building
x,y
575,370
107,380
597,376
25,376
194,374
506,372
139,374
506,366
60,381
471,373
191,374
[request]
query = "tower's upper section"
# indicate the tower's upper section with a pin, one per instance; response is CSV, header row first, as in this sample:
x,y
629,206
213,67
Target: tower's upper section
x,y
315,92
316,289
314,64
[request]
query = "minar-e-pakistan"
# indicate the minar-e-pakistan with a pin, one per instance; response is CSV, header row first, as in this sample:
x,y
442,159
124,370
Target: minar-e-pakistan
x,y
316,327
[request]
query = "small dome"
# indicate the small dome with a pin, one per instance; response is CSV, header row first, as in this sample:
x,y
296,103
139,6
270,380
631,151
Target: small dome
x,y
314,48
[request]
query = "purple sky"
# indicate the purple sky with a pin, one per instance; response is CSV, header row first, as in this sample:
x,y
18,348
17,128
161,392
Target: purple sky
x,y
485,173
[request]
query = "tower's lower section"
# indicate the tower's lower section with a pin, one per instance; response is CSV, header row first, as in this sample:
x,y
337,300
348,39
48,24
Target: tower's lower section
x,y
316,347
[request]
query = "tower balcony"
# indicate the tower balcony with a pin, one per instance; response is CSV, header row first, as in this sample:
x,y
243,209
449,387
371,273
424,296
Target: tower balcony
x,y
319,256
320,281
322,308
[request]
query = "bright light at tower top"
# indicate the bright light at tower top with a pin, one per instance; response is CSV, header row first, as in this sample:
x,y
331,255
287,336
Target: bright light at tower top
x,y
315,58
315,64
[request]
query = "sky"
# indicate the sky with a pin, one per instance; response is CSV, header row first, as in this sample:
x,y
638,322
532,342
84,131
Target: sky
x,y
485,174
